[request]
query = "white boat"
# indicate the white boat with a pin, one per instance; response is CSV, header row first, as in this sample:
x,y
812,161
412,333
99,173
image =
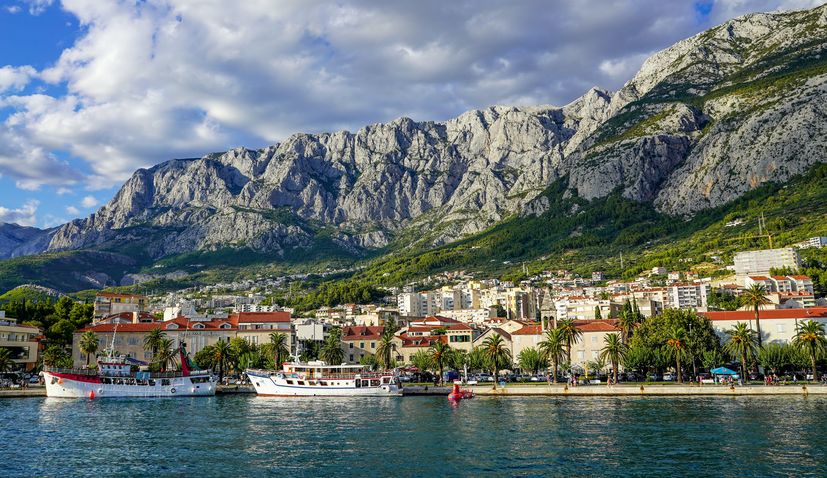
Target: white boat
x,y
114,378
317,379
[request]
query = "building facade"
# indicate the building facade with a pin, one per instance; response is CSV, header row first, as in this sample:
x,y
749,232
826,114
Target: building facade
x,y
21,342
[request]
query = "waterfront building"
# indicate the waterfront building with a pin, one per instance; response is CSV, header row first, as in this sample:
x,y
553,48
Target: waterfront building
x,y
760,262
588,348
360,341
21,341
130,330
108,303
777,325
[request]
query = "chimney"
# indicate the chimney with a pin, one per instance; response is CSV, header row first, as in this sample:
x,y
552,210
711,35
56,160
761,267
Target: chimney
x,y
135,317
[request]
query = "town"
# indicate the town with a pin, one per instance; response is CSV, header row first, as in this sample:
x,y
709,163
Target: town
x,y
233,331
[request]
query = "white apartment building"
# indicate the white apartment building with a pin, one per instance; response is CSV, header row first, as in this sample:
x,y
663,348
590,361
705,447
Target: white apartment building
x,y
688,296
760,262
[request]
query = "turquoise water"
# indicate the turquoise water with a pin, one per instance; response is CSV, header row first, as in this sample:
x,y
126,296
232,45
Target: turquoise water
x,y
414,436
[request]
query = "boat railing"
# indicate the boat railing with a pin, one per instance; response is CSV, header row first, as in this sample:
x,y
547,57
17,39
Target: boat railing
x,y
327,375
75,371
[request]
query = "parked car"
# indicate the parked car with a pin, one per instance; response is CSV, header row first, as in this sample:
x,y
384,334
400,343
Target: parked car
x,y
668,377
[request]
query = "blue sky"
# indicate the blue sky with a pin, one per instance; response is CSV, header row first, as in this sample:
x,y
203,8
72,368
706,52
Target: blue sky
x,y
91,90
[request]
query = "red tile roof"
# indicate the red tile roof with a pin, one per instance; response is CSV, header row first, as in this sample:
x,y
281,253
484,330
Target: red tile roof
x,y
757,278
801,277
180,322
746,315
361,332
256,317
529,330
609,325
113,295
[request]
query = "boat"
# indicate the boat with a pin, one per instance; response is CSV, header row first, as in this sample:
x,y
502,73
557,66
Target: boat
x,y
458,394
318,379
114,377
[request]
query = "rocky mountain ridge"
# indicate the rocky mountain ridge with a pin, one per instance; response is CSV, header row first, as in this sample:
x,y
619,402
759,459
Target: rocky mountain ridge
x,y
702,122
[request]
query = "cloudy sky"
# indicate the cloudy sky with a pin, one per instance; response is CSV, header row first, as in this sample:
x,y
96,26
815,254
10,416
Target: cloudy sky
x,y
91,90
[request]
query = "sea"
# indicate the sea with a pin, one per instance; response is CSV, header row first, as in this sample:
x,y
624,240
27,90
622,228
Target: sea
x,y
243,435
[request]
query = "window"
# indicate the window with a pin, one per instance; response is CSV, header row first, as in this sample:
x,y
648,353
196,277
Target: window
x,y
361,345
780,327
581,355
594,339
373,345
350,345
351,357
147,355
594,354
133,340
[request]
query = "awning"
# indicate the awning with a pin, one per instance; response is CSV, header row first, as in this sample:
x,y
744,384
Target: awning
x,y
722,371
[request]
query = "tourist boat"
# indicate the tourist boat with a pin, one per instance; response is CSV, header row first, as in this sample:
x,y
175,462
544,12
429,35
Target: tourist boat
x,y
317,379
114,378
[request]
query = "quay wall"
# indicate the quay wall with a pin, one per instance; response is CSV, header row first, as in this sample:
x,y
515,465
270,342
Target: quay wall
x,y
649,390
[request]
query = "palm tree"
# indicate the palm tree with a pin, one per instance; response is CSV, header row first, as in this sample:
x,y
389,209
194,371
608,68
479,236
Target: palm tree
x,y
552,349
571,335
741,344
530,360
440,353
278,344
626,323
386,349
809,336
166,355
422,360
614,351
496,353
221,355
755,297
676,346
152,341
54,356
6,362
88,344
332,352
240,348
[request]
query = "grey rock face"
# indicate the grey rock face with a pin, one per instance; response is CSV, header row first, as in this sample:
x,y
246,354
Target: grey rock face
x,y
703,122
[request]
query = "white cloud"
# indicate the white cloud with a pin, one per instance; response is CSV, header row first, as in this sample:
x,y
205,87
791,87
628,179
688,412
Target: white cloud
x,y
63,191
13,9
89,202
72,210
149,81
15,78
36,7
26,215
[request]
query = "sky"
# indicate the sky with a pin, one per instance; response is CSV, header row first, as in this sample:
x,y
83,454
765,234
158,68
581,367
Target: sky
x,y
91,90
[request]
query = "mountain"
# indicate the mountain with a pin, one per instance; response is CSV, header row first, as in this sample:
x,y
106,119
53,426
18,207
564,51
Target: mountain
x,y
701,124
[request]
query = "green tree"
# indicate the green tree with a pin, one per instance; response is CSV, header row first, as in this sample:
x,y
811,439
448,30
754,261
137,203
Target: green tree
x,y
166,354
755,297
222,354
279,348
571,335
386,349
597,314
332,352
676,348
809,337
553,348
422,360
88,344
476,359
614,351
712,359
240,348
741,344
496,353
6,362
56,356
773,357
530,360
152,341
205,358
440,355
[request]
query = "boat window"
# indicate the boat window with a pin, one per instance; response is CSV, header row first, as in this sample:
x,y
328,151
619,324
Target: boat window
x,y
289,382
323,384
358,383
374,382
164,382
152,383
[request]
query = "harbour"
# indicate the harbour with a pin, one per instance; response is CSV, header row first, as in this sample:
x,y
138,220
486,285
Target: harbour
x,y
248,435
